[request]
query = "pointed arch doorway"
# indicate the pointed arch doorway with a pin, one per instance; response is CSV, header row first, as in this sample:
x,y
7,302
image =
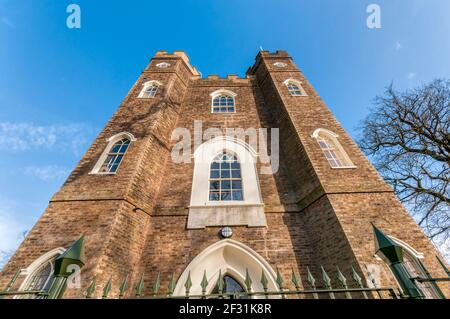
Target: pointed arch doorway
x,y
231,259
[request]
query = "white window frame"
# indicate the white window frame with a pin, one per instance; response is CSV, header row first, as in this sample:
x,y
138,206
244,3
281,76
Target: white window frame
x,y
204,212
148,84
36,264
298,84
280,64
111,141
163,65
223,92
332,137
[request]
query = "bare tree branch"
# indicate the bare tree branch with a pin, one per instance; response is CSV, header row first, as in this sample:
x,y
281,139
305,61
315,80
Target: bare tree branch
x,y
407,135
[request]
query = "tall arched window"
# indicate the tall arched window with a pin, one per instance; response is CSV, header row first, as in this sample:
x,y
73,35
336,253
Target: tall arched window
x,y
225,168
332,149
295,87
223,101
149,90
113,154
225,181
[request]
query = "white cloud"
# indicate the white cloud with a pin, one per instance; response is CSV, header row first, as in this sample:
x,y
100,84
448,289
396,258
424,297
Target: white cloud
x,y
26,136
398,46
47,173
411,75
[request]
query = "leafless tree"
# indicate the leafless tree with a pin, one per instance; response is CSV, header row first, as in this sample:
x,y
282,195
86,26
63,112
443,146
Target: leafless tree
x,y
407,135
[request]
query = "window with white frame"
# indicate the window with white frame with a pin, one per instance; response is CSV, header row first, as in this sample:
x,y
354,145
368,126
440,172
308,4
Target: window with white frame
x,y
223,104
225,181
149,90
223,101
225,187
332,149
113,154
40,274
294,87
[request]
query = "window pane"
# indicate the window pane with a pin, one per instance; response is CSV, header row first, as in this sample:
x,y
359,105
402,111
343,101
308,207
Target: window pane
x,y
236,184
214,185
235,165
225,196
237,195
215,174
225,165
116,148
215,165
225,185
118,159
214,196
225,174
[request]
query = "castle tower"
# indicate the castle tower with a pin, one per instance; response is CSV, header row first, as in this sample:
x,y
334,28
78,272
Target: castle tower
x,y
146,212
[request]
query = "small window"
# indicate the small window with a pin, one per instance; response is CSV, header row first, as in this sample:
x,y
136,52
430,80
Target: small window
x,y
332,149
280,64
225,182
295,87
223,104
114,156
149,90
163,65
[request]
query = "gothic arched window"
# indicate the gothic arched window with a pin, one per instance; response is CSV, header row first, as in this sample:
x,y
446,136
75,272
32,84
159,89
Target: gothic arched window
x,y
113,154
42,278
149,90
295,87
332,149
225,181
40,274
223,101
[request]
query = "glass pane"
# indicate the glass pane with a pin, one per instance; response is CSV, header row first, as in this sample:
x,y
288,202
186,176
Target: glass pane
x,y
215,165
225,165
225,185
235,165
225,174
118,159
214,196
116,148
225,196
237,195
236,184
114,168
215,174
214,185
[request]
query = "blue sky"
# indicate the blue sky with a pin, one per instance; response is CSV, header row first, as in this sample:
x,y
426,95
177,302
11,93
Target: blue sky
x,y
58,86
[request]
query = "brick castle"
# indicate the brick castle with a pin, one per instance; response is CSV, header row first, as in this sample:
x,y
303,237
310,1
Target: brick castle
x,y
142,213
